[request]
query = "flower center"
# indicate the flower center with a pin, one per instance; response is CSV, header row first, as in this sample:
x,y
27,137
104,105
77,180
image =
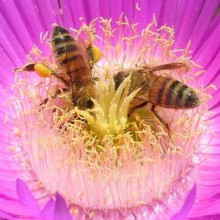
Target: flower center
x,y
104,158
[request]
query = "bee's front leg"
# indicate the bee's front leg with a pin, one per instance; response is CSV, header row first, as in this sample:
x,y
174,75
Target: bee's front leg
x,y
42,70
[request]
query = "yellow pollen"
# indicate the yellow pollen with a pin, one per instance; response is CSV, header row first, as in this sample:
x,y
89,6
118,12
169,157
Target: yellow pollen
x,y
42,70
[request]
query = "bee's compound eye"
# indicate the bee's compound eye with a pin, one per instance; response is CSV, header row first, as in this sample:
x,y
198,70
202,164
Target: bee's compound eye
x,y
192,99
89,103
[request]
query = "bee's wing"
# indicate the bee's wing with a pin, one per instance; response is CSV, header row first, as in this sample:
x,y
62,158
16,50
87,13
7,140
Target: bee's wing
x,y
168,66
83,49
84,52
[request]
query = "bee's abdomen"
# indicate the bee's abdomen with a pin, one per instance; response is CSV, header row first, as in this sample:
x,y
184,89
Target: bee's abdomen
x,y
68,55
171,93
64,46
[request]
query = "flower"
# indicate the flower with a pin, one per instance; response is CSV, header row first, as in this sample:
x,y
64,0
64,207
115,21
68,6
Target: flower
x,y
21,157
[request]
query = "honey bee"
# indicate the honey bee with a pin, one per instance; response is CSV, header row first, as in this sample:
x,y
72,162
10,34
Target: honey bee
x,y
158,90
75,62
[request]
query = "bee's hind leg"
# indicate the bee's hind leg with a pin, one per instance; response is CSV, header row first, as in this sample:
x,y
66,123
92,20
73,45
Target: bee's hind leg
x,y
161,120
131,111
28,67
60,78
42,70
58,92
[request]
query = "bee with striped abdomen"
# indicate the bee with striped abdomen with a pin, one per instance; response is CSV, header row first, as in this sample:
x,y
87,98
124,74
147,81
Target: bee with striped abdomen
x,y
74,62
158,90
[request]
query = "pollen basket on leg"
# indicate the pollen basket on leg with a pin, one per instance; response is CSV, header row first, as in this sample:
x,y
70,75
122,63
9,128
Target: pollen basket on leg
x,y
85,136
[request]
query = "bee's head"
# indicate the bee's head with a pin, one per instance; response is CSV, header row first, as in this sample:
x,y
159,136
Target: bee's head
x,y
83,103
118,78
89,104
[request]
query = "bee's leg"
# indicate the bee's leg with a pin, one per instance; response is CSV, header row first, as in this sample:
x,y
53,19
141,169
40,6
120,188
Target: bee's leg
x,y
28,67
131,111
60,78
162,121
58,92
42,70
170,66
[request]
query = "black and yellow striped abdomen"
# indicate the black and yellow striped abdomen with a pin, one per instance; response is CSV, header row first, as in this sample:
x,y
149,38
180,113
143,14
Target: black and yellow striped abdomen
x,y
170,93
70,57
158,90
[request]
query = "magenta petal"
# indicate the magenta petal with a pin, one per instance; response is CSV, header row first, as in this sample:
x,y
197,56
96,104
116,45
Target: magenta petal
x,y
187,206
5,216
67,17
13,207
206,207
94,10
169,12
77,11
210,48
9,14
207,217
48,211
26,198
203,22
61,209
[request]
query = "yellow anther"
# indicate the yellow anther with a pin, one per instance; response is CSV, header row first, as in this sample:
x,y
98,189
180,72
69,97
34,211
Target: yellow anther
x,y
96,53
42,70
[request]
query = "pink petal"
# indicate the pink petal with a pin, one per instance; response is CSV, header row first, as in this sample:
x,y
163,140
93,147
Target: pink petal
x,y
203,23
13,207
5,216
26,197
61,209
48,211
187,206
207,217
